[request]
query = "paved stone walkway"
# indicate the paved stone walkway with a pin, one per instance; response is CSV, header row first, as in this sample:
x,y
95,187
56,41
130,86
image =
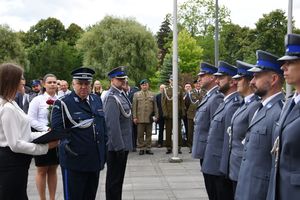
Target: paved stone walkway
x,y
148,177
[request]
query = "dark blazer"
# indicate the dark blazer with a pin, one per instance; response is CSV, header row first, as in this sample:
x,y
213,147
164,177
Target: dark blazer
x,y
203,117
119,127
239,124
158,103
286,176
88,143
255,168
219,124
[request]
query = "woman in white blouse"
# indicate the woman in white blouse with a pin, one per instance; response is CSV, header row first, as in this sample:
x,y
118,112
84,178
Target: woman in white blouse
x,y
15,137
38,113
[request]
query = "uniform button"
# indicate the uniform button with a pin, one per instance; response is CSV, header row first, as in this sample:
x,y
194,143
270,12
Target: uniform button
x,y
98,141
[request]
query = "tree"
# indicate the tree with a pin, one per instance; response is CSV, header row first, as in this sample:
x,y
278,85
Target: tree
x,y
115,42
270,32
11,47
198,16
189,52
73,33
236,43
59,59
50,30
164,38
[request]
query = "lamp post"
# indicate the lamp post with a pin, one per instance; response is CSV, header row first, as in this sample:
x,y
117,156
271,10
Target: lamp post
x,y
289,31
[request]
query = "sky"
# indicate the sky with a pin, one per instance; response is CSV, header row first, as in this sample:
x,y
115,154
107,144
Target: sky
x,y
22,14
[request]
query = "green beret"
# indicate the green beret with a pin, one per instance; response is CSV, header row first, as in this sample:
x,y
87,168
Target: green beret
x,y
144,81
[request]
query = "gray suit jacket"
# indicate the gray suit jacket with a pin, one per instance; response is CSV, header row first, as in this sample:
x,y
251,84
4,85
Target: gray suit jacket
x,y
256,163
287,175
218,126
119,127
239,124
203,116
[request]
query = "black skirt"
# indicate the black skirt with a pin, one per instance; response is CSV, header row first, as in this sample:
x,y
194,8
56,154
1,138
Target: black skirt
x,y
51,158
13,174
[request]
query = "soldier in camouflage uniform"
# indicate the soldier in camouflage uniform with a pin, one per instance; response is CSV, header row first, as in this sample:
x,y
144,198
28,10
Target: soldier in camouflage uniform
x,y
143,108
195,96
167,105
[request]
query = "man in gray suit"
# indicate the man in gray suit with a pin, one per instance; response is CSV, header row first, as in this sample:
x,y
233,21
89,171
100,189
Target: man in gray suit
x,y
203,116
218,136
285,182
240,120
256,162
117,109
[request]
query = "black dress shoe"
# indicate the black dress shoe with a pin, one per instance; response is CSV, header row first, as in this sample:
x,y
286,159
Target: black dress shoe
x,y
179,151
141,152
169,151
149,152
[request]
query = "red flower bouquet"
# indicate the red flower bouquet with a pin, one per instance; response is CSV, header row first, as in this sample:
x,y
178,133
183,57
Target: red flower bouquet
x,y
50,102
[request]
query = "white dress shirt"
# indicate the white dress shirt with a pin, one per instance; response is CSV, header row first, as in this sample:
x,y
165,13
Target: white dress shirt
x,y
38,112
15,131
62,93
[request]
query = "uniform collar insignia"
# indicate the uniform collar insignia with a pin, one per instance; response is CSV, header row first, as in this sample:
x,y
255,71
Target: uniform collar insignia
x,y
76,99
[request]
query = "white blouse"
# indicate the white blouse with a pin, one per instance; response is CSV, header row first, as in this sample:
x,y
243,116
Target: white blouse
x,y
38,112
15,131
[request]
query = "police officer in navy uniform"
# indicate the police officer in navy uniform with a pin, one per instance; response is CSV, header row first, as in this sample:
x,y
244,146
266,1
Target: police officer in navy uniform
x,y
285,182
204,113
82,154
118,117
255,168
241,119
217,136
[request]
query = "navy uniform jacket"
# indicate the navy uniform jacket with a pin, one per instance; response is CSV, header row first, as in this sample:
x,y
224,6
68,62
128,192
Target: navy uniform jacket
x,y
255,168
118,117
286,176
218,128
239,125
88,144
202,119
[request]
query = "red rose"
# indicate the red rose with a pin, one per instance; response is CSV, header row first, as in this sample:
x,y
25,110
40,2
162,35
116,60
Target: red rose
x,y
50,101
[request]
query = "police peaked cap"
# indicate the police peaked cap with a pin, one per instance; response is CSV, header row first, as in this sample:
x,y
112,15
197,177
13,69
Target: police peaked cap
x,y
242,69
206,68
292,47
266,61
83,73
225,68
118,72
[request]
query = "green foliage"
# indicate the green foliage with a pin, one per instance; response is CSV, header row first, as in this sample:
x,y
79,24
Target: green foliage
x,y
166,69
73,33
11,47
59,59
115,42
236,43
189,52
270,32
164,39
46,30
198,16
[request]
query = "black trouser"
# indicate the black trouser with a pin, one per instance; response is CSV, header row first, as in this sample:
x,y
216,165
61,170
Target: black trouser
x,y
13,174
224,188
134,135
209,181
234,184
79,185
161,126
116,167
